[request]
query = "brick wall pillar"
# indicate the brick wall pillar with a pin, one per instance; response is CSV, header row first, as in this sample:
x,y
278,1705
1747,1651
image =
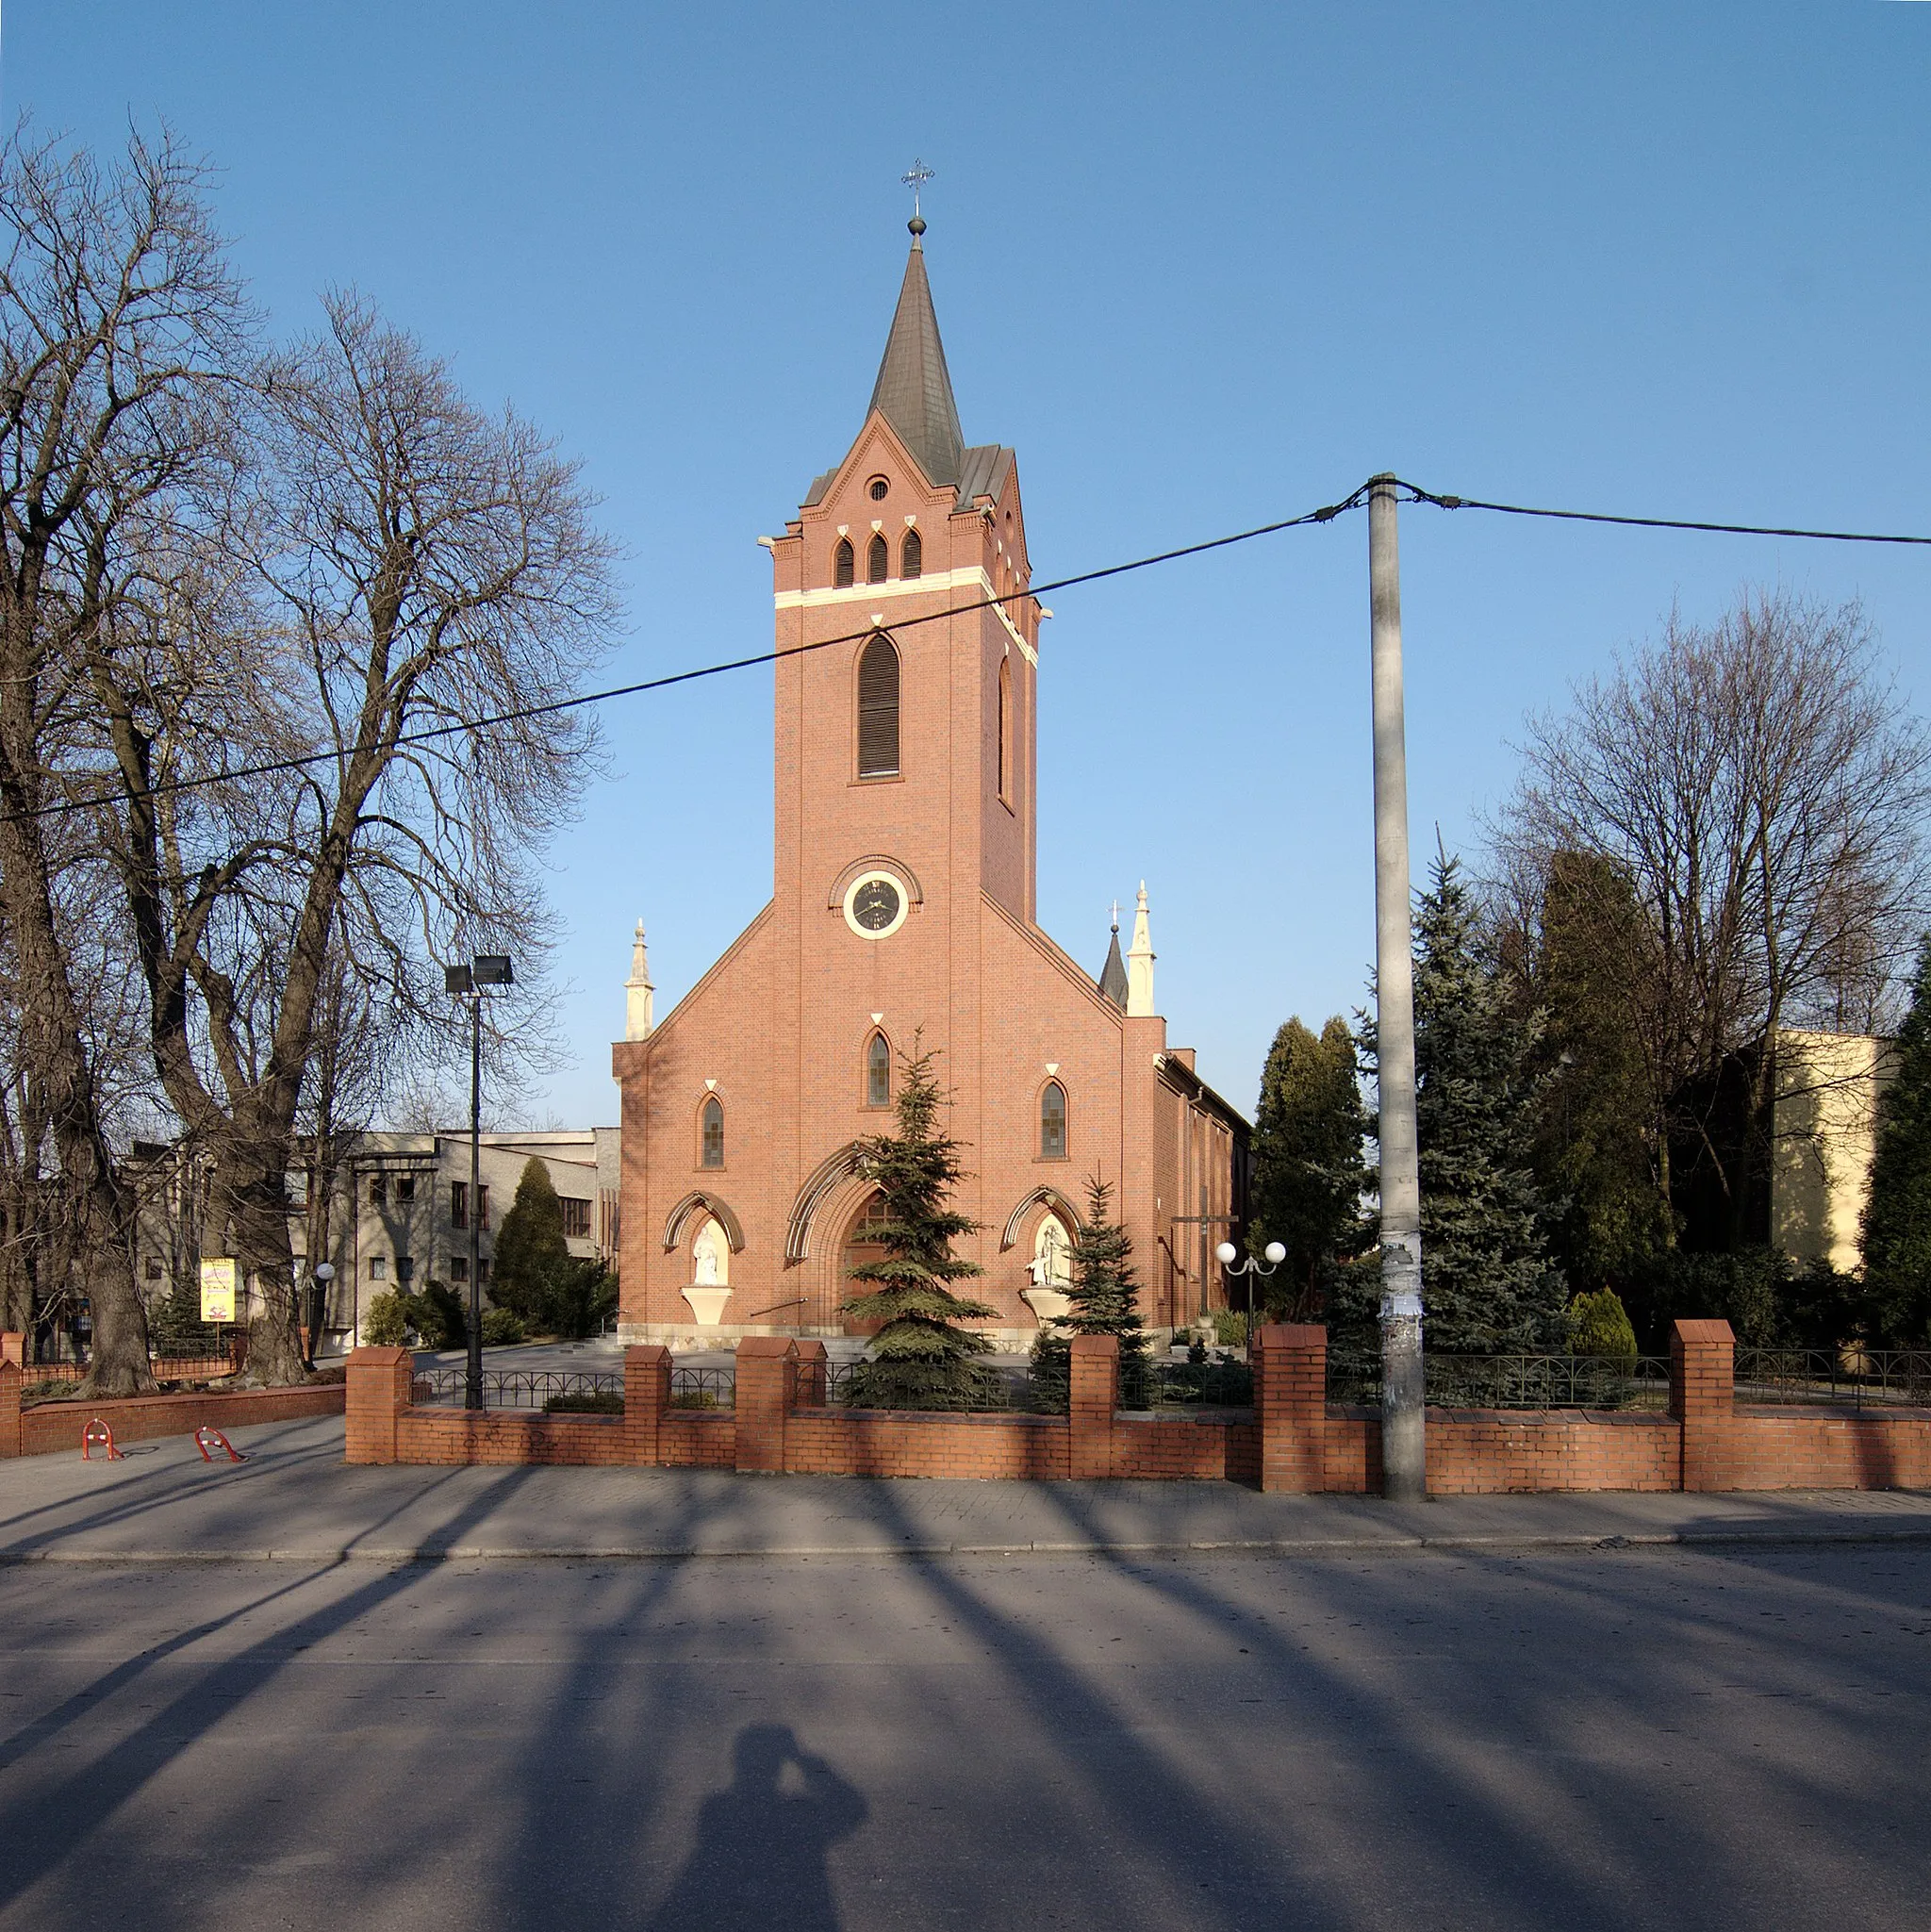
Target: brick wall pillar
x,y
1095,1399
1703,1396
380,1387
813,1362
766,1393
10,1404
1291,1404
13,1348
646,1401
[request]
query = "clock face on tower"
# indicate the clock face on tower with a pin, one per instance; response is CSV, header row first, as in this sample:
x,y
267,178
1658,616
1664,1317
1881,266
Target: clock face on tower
x,y
875,906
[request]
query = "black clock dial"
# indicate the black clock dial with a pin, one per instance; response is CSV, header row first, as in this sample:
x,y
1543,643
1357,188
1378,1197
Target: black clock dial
x,y
875,904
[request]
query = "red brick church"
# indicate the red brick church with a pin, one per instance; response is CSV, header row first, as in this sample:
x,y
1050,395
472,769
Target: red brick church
x,y
906,767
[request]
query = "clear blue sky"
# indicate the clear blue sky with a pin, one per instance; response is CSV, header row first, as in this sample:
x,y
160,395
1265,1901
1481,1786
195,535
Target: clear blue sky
x,y
1203,267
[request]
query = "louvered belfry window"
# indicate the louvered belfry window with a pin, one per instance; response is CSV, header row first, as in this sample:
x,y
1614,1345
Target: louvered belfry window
x,y
878,709
877,561
912,555
842,566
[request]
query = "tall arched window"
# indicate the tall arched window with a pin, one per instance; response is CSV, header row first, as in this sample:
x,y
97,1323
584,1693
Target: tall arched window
x,y
877,560
878,709
842,564
1006,729
1053,1122
912,555
878,1071
711,1119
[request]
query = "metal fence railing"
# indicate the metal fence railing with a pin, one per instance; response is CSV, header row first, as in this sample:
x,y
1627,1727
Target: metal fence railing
x,y
1848,1378
1189,1385
516,1388
704,1388
1525,1381
1007,1390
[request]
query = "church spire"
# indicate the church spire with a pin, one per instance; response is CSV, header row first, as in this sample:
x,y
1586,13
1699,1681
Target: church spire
x,y
914,388
637,991
1140,963
1113,975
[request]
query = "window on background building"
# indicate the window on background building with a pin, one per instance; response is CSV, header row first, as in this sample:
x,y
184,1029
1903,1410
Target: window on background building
x,y
842,566
482,1271
576,1217
878,709
405,1187
459,1204
912,555
483,1207
459,1267
878,1072
378,1191
406,1268
878,561
1053,1122
153,1271
712,1118
378,1268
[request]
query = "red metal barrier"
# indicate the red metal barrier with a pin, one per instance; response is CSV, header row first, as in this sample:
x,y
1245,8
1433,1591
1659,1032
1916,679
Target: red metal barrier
x,y
208,1433
96,1434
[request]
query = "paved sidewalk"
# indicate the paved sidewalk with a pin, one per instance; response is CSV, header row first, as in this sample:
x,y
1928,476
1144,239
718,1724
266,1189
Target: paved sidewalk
x,y
295,1499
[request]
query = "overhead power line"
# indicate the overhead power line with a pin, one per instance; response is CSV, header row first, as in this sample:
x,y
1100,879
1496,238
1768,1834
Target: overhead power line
x,y
1326,514
430,735
1418,494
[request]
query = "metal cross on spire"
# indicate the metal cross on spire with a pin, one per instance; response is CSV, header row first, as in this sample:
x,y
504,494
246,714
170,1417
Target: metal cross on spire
x,y
1116,916
915,179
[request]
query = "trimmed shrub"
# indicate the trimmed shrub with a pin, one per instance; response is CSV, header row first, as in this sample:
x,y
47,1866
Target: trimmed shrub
x,y
387,1324
503,1328
1600,1325
439,1316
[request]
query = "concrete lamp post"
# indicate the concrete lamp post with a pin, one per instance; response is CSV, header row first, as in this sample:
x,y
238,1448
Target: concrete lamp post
x,y
467,982
1227,1255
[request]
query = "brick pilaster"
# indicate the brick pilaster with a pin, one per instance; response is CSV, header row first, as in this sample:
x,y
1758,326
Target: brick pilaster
x,y
1291,1404
9,1404
767,1394
1095,1399
1703,1397
13,1348
646,1401
380,1389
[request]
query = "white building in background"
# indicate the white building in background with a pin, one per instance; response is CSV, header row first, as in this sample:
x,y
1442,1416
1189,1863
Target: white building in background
x,y
398,1214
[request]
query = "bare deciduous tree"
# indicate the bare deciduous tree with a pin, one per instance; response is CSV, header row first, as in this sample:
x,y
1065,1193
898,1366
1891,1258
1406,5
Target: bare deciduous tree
x,y
120,326
1755,793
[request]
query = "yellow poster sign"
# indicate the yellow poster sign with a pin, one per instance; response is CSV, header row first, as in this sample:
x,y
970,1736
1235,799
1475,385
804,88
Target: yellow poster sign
x,y
217,1281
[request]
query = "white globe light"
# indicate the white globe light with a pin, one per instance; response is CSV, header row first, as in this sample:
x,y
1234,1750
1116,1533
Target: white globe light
x,y
1275,1253
1224,1252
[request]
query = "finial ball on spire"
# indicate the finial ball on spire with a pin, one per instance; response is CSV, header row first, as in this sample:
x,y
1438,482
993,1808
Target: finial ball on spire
x,y
916,224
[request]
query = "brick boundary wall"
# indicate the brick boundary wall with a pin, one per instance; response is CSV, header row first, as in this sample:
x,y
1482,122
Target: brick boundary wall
x,y
1299,1443
49,1427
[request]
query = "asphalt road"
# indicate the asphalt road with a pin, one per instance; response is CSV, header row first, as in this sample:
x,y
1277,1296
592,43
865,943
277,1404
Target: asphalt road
x,y
1617,1737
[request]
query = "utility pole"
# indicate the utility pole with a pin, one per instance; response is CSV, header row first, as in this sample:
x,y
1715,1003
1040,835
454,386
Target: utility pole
x,y
1404,1467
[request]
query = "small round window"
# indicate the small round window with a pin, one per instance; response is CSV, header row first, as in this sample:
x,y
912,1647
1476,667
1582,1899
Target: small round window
x,y
879,486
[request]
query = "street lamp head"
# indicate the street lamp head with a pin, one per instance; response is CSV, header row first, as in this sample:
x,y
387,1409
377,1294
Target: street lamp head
x,y
1275,1253
324,1272
1225,1253
457,978
493,969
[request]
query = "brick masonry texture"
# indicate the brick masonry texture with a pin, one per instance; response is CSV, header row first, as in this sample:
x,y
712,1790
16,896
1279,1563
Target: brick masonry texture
x,y
48,1427
1298,1441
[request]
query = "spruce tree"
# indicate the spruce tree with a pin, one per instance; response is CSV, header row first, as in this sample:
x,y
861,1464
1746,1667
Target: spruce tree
x,y
1489,1286
530,1264
1897,1219
1104,1296
920,1359
1308,1174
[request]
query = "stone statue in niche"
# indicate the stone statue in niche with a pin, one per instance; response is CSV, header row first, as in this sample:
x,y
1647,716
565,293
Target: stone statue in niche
x,y
705,1254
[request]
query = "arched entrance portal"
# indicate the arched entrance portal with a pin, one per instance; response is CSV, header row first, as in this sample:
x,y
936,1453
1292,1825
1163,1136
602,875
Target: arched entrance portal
x,y
859,1246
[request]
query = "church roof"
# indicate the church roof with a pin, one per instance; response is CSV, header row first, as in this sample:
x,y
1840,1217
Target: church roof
x,y
914,388
1113,975
913,393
